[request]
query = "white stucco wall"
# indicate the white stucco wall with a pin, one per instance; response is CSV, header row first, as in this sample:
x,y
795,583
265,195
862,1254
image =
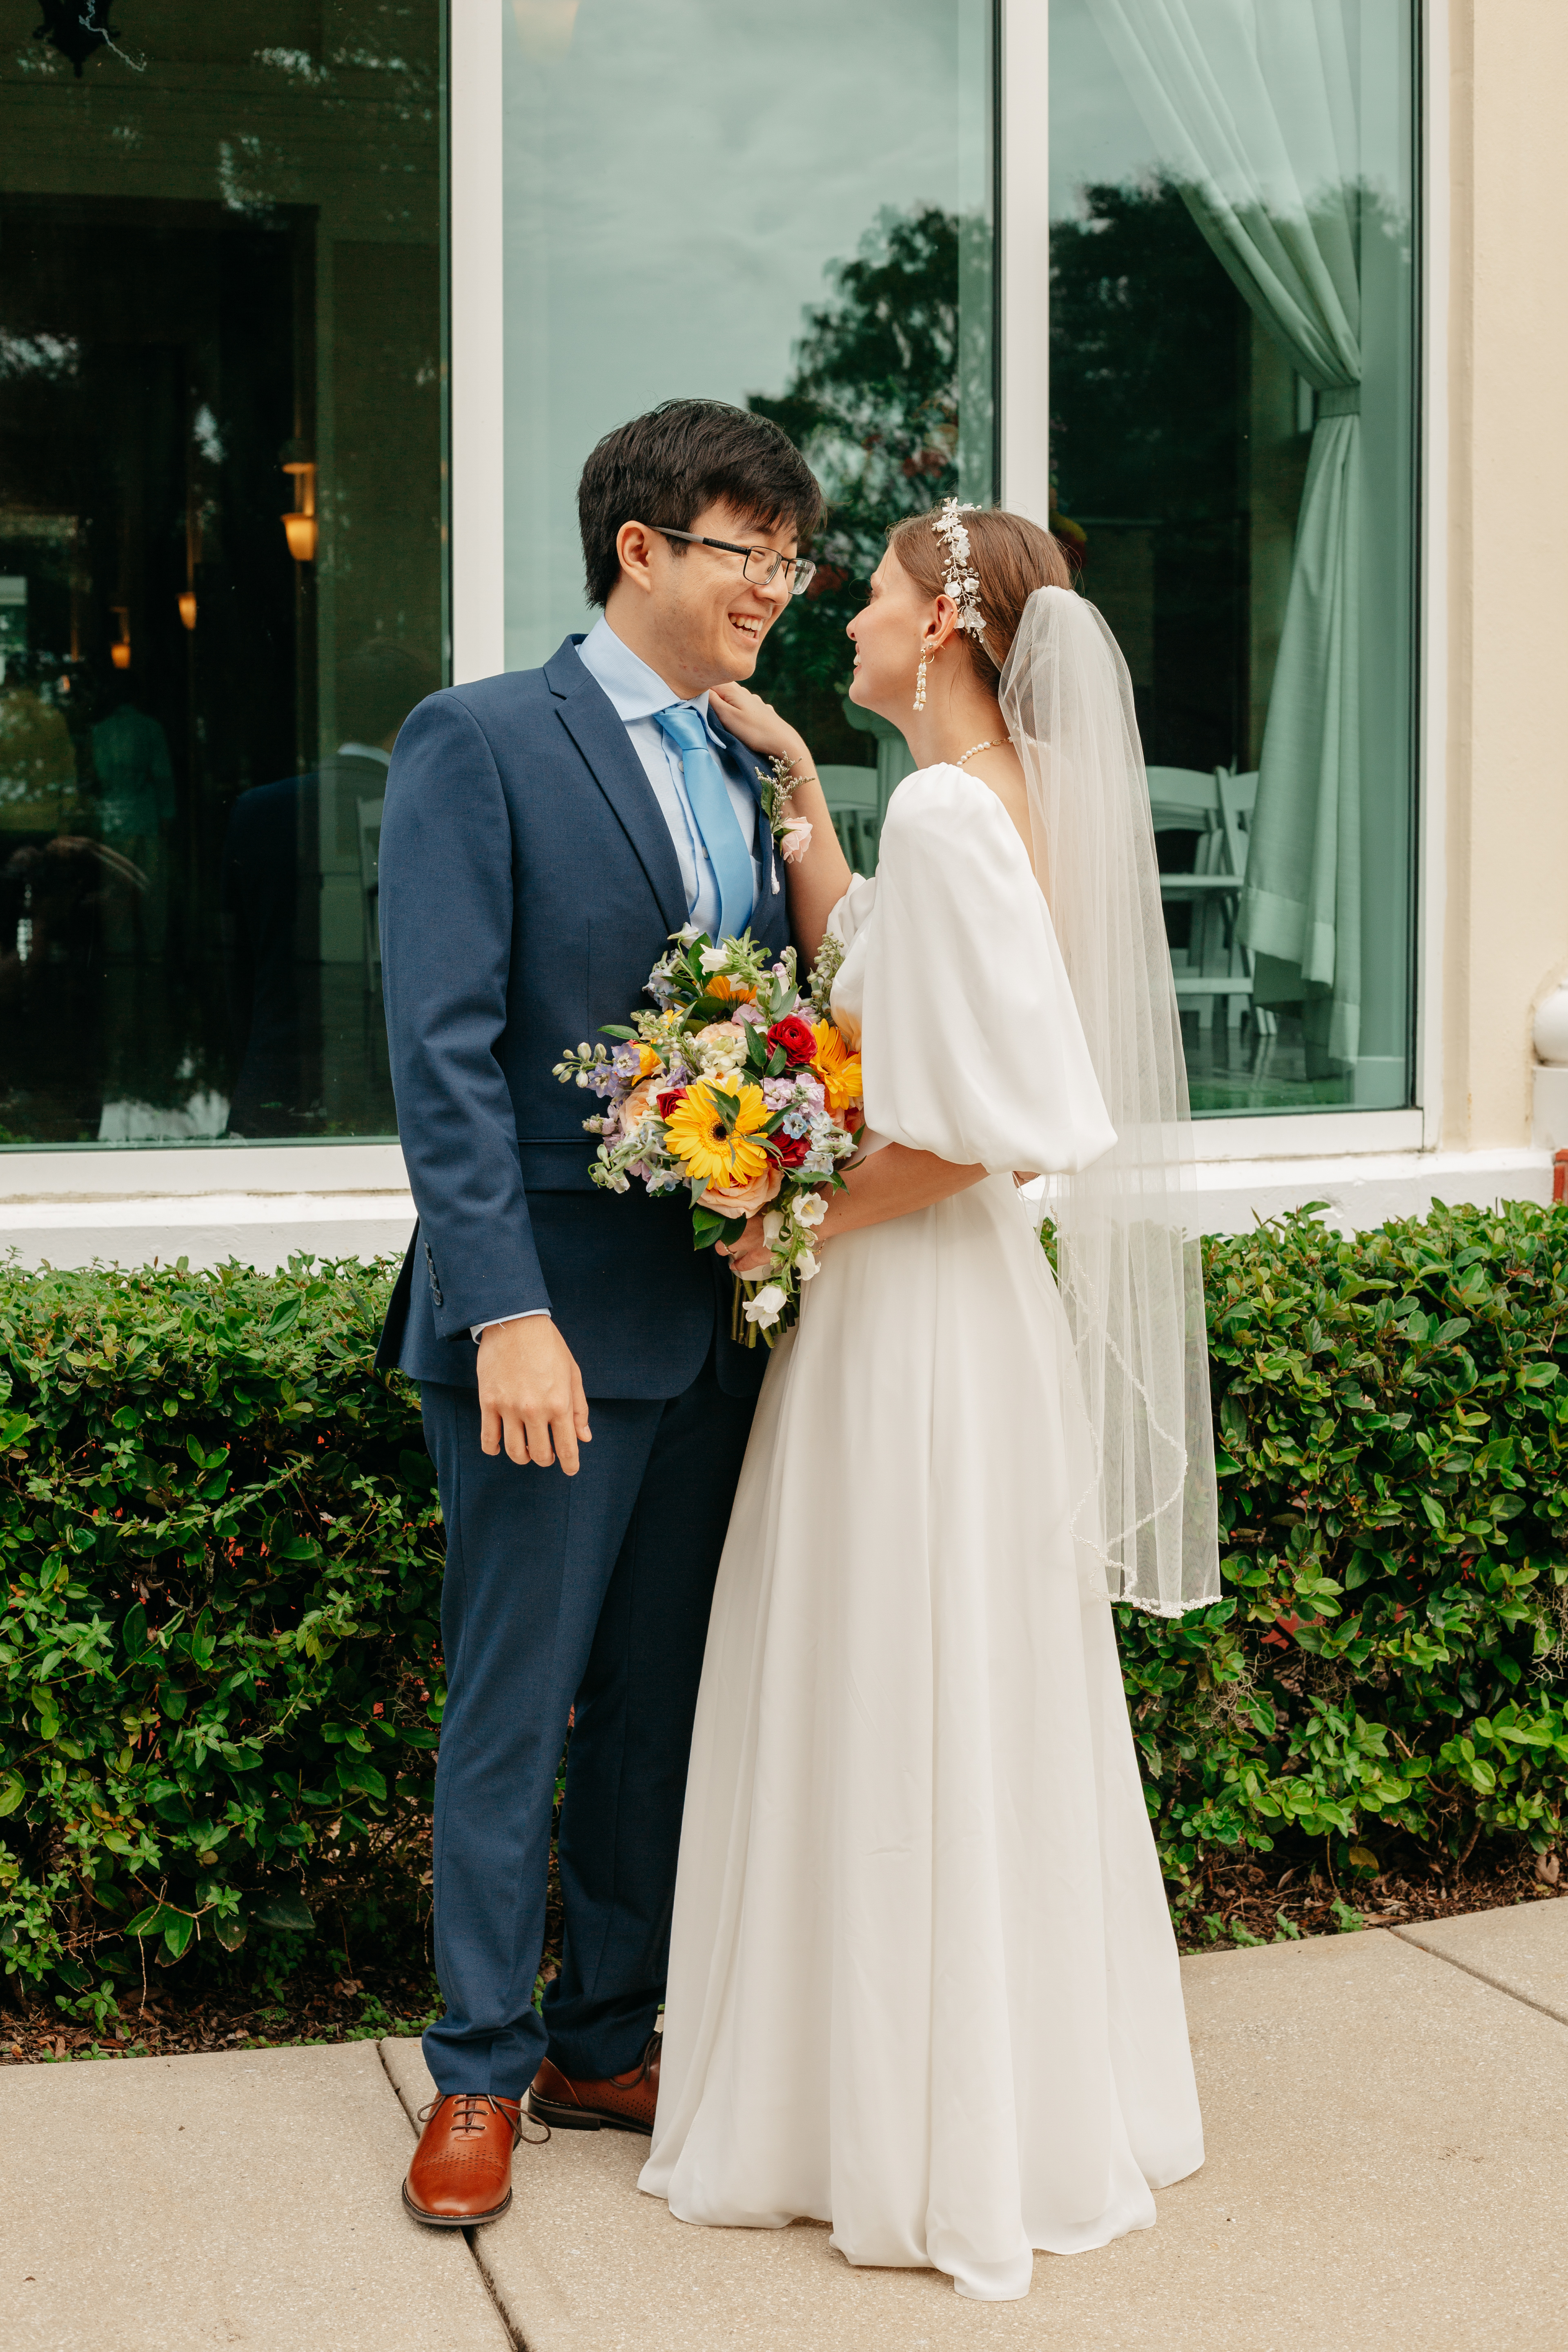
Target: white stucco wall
x,y
1506,912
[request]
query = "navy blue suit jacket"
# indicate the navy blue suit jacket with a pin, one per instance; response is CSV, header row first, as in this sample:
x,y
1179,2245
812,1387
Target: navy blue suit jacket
x,y
528,886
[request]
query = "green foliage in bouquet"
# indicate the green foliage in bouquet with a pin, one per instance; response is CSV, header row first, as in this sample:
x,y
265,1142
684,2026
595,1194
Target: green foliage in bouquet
x,y
220,1678
219,1672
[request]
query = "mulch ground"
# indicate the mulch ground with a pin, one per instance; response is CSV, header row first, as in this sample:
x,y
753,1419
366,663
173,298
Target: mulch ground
x,y
167,2024
1244,1902
1237,1903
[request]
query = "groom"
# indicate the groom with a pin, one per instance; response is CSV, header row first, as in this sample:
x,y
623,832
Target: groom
x,y
544,832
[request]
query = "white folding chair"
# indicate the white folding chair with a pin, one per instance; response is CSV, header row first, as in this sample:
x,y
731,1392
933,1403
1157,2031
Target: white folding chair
x,y
1218,807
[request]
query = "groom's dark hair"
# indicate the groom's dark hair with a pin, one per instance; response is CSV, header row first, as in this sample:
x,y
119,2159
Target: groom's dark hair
x,y
663,468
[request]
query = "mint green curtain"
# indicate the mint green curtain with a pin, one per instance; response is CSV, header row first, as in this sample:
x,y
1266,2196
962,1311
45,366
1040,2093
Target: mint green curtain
x,y
1250,105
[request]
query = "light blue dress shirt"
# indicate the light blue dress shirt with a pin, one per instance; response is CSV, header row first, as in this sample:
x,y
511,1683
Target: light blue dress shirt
x,y
637,692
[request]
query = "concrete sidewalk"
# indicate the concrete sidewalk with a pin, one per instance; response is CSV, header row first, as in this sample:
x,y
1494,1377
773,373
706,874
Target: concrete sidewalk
x,y
1387,2127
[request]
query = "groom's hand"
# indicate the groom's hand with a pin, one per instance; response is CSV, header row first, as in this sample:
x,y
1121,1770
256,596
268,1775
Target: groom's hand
x,y
531,1395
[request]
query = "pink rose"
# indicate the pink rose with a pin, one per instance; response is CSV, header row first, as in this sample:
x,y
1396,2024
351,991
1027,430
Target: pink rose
x,y
744,1200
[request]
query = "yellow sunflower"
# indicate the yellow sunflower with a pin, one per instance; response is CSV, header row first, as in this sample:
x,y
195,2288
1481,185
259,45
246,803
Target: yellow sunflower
x,y
838,1069
713,1131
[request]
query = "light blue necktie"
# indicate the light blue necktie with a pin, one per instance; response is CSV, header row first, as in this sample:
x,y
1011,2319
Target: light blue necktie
x,y
715,814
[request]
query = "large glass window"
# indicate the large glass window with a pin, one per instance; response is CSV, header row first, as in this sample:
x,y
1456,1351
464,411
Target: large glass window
x,y
221,559
1232,420
787,207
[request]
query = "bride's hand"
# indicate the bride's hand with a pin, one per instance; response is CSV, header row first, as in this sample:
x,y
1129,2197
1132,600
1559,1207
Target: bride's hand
x,y
758,725
749,1255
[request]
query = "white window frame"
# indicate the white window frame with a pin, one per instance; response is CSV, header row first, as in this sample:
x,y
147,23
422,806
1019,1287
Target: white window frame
x,y
477,58
1024,380
179,1190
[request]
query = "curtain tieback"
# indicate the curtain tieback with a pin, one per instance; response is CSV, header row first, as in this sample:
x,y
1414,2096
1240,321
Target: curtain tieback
x,y
1340,400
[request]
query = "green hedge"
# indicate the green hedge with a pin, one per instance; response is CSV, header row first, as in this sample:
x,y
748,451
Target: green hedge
x,y
1388,1665
220,1679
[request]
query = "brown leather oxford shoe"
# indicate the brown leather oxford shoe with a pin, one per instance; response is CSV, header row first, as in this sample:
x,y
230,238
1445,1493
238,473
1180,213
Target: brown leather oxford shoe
x,y
462,2172
624,2103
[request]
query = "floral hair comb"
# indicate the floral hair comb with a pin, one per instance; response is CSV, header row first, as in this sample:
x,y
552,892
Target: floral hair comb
x,y
963,580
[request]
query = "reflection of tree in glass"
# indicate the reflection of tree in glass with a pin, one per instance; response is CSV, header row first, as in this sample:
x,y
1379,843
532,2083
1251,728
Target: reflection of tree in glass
x,y
1150,375
1143,359
873,406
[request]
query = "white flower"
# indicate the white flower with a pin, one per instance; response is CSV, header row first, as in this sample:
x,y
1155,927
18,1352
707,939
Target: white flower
x,y
720,1046
806,1266
687,933
810,1209
772,1226
766,1308
715,958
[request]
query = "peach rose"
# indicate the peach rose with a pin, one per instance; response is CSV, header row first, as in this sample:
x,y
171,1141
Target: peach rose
x,y
636,1107
743,1199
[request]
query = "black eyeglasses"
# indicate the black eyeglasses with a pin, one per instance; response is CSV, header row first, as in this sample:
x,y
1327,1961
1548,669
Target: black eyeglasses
x,y
761,564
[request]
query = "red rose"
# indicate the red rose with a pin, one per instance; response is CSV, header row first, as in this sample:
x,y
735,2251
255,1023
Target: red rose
x,y
789,1150
666,1102
794,1038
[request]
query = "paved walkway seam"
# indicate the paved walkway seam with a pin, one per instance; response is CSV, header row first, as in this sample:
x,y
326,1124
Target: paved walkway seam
x,y
1433,1952
471,2237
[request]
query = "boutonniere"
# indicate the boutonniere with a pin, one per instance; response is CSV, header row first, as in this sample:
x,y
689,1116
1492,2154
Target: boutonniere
x,y
791,834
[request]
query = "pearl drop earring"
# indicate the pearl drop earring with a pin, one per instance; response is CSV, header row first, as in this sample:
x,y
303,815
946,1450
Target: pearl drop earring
x,y
920,682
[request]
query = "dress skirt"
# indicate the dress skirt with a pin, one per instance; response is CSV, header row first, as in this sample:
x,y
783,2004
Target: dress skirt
x,y
923,1984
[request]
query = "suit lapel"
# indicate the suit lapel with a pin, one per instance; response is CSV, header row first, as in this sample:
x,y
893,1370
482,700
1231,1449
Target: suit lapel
x,y
589,718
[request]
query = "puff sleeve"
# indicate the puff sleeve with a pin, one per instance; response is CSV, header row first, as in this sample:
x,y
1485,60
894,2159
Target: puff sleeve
x,y
970,1043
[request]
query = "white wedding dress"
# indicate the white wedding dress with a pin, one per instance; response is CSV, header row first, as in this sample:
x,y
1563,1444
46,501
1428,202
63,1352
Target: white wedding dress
x,y
922,1982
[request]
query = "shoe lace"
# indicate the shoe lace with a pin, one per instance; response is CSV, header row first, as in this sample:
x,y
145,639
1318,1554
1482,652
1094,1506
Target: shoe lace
x,y
655,2044
468,2118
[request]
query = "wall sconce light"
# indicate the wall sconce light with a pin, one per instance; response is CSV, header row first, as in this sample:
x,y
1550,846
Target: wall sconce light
x,y
120,651
188,608
299,527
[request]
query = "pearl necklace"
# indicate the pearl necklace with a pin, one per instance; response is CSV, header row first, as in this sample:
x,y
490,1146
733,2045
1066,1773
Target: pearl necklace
x,y
989,745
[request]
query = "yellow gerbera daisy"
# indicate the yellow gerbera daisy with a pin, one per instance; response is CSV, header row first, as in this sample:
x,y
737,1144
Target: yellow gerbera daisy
x,y
713,1130
838,1069
722,985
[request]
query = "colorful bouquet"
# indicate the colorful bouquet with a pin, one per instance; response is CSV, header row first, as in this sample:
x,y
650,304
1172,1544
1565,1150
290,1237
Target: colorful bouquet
x,y
739,1089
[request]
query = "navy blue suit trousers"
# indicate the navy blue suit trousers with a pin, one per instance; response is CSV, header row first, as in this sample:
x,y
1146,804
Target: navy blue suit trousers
x,y
590,1592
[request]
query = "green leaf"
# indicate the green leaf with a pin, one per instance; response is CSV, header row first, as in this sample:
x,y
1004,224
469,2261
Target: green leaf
x,y
707,1227
283,1910
156,1920
13,1789
284,1316
178,1933
133,1632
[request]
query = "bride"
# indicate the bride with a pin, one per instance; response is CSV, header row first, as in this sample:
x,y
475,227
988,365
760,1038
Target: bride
x,y
922,1982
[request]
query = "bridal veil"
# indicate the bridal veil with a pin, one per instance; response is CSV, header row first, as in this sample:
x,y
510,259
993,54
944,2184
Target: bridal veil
x,y
1130,1277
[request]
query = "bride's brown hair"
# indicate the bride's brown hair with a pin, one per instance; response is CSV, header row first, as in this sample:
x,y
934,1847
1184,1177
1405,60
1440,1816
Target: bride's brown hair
x,y
1013,558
